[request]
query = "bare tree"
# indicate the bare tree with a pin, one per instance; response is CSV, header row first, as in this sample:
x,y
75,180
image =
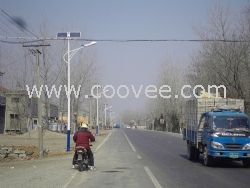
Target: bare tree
x,y
49,70
84,75
167,105
222,63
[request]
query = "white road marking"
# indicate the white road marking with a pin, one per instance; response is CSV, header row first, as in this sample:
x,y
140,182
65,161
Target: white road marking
x,y
129,142
102,142
153,179
174,134
72,177
169,142
138,156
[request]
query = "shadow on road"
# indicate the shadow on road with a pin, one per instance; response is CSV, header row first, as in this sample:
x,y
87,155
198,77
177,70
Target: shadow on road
x,y
217,163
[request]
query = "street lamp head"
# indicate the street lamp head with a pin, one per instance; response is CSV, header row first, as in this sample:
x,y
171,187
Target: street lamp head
x,y
89,44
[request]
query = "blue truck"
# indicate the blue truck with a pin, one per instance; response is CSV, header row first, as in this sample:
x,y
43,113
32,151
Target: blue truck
x,y
217,129
117,126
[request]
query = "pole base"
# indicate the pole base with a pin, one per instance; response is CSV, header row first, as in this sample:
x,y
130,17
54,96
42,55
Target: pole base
x,y
68,140
97,129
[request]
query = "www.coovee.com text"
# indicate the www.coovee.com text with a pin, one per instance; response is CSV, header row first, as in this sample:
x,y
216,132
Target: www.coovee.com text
x,y
123,91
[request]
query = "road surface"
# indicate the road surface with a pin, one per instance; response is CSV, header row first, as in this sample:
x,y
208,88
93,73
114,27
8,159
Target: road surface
x,y
128,158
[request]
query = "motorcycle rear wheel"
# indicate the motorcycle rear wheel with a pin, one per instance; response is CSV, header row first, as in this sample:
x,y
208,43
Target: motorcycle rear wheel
x,y
86,161
80,165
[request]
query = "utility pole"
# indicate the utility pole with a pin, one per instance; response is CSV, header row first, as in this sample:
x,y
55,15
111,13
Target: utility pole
x,y
90,111
39,104
102,120
106,108
105,114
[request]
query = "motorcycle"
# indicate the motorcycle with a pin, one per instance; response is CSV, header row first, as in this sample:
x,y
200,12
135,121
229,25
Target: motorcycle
x,y
82,158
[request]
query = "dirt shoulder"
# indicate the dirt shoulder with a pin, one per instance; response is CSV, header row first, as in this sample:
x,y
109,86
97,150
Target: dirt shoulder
x,y
54,144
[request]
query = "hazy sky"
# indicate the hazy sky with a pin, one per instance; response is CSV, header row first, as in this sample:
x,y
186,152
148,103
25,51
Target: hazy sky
x,y
124,63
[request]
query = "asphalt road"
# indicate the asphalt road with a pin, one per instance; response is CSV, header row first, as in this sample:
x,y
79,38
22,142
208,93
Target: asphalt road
x,y
131,158
165,155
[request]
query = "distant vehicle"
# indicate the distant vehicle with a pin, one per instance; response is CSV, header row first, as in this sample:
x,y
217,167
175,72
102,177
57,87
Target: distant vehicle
x,y
128,127
117,126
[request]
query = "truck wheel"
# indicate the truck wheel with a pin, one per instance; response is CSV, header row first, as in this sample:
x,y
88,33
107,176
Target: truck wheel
x,y
196,154
208,160
190,151
246,163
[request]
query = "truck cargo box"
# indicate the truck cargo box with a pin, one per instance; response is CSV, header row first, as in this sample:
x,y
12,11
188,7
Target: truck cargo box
x,y
195,107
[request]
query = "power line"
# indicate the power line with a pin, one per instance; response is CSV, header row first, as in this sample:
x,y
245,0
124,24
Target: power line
x,y
20,40
23,42
8,27
17,22
125,40
4,30
22,28
19,25
163,40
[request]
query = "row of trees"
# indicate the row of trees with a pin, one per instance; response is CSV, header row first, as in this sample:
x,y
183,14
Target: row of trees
x,y
224,63
20,66
222,59
169,109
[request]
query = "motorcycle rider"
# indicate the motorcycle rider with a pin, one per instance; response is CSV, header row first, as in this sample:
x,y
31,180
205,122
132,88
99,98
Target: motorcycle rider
x,y
81,138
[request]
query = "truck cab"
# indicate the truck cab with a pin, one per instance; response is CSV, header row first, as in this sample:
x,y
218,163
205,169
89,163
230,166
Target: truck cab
x,y
224,133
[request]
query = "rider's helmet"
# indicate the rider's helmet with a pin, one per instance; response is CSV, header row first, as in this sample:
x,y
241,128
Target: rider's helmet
x,y
84,125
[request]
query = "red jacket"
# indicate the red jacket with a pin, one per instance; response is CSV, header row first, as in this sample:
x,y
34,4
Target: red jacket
x,y
82,137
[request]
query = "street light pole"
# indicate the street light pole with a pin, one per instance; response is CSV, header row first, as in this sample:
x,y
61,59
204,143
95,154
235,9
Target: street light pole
x,y
106,115
97,115
68,120
110,118
70,54
90,111
97,109
105,118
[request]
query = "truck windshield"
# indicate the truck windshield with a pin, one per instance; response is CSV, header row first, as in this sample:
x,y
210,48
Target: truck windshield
x,y
229,122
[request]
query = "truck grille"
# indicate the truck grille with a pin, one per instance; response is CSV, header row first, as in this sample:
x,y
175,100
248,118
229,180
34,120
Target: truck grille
x,y
233,146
